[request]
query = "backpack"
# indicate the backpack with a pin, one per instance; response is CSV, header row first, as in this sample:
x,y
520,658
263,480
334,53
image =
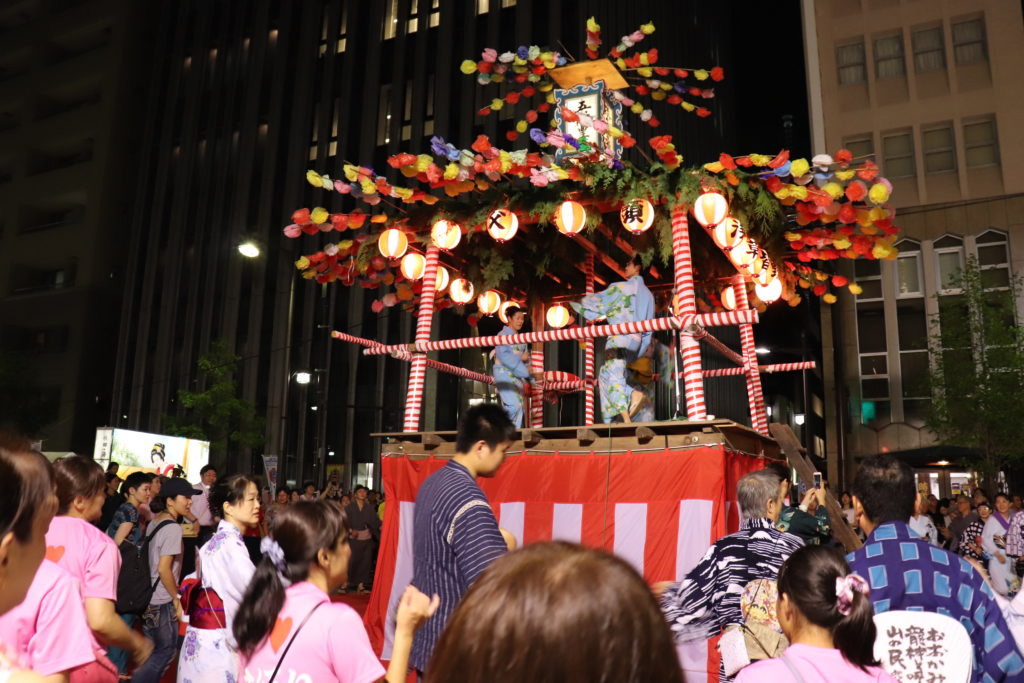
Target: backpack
x,y
134,590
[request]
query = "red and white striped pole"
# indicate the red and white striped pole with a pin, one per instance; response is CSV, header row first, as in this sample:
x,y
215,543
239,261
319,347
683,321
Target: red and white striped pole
x,y
424,320
686,300
588,351
755,396
537,367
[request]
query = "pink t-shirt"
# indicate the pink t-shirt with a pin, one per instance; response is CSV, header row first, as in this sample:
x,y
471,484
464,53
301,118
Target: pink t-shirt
x,y
48,631
332,646
815,664
86,553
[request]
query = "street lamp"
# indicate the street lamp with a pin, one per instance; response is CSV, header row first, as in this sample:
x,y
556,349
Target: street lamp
x,y
799,419
762,350
249,249
303,378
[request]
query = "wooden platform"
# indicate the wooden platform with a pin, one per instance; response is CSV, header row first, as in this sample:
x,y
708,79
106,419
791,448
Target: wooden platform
x,y
637,436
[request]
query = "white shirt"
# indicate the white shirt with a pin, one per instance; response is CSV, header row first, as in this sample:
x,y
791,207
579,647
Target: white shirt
x,y
922,526
201,506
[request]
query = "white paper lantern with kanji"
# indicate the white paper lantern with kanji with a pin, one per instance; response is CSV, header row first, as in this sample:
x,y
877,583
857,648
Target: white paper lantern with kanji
x,y
728,233
446,235
710,209
729,298
441,279
413,266
489,302
767,272
502,224
743,254
392,243
637,215
570,218
558,316
461,291
770,292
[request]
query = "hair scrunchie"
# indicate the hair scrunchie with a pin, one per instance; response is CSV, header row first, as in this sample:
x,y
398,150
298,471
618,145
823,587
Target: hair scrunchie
x,y
845,586
273,550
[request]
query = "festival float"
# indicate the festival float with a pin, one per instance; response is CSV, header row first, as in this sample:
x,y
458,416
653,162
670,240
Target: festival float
x,y
550,221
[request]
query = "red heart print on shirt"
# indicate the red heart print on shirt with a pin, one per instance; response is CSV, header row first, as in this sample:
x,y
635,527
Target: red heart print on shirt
x,y
282,627
54,553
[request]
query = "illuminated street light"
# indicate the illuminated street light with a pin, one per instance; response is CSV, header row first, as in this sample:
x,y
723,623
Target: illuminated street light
x,y
248,249
303,377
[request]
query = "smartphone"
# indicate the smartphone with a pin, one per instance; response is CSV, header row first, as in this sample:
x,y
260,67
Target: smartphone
x,y
817,480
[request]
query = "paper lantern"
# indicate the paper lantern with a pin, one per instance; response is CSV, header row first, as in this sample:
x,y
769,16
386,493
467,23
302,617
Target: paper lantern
x,y
729,298
728,233
441,279
393,243
446,235
558,316
461,291
767,272
710,209
503,310
770,292
570,218
502,224
413,266
637,215
489,302
742,255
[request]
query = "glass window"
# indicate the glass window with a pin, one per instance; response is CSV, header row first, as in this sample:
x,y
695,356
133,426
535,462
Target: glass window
x,y
898,150
483,6
949,265
875,388
875,414
969,44
871,328
914,372
390,28
860,147
865,268
384,116
874,365
908,275
912,324
995,277
851,63
990,236
889,57
948,241
915,411
939,155
929,51
992,255
980,143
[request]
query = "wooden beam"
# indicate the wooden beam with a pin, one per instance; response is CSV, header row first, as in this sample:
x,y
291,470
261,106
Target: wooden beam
x,y
586,436
644,434
784,436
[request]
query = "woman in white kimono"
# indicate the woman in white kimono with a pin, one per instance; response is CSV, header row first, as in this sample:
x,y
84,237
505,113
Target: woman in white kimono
x,y
993,541
223,571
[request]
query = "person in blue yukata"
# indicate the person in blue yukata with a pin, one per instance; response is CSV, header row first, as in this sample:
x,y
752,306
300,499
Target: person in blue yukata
x,y
905,572
620,302
512,368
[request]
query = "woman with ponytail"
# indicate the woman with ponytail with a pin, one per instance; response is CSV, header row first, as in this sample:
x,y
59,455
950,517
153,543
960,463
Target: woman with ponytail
x,y
825,611
287,628
223,571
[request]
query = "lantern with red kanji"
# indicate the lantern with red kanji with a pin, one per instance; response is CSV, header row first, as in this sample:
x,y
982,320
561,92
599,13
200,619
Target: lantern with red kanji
x,y
461,291
446,235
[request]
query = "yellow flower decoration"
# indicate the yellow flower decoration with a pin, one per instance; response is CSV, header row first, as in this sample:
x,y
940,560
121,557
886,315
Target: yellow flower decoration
x,y
313,178
318,215
647,29
855,288
760,159
834,190
645,71
637,108
846,175
309,274
351,172
468,66
878,194
621,63
792,236
521,126
829,298
687,106
658,95
799,167
701,74
302,263
644,59
592,25
497,103
841,244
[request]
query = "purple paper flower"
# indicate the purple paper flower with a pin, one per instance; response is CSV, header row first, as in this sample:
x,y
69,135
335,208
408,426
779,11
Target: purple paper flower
x,y
538,136
438,146
523,52
680,87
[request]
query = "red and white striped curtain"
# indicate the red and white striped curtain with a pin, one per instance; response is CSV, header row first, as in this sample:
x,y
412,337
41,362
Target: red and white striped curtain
x,y
659,510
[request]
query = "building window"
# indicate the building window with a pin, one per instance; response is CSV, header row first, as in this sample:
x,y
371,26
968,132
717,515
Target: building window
x,y
868,275
428,110
908,270
384,116
871,344
413,23
851,63
889,57
993,259
390,28
898,150
980,145
407,112
938,147
861,146
969,44
949,261
929,51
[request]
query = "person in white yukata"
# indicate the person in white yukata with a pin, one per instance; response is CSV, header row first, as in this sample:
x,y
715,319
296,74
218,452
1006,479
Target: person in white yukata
x,y
512,368
620,302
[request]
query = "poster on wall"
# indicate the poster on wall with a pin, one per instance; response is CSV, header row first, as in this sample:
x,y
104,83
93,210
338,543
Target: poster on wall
x,y
270,465
159,453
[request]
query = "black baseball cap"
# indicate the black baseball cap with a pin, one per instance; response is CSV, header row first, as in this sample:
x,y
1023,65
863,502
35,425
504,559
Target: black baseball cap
x,y
177,487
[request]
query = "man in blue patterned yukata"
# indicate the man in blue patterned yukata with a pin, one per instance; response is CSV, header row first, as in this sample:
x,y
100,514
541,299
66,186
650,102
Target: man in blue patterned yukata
x,y
621,302
906,572
512,368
